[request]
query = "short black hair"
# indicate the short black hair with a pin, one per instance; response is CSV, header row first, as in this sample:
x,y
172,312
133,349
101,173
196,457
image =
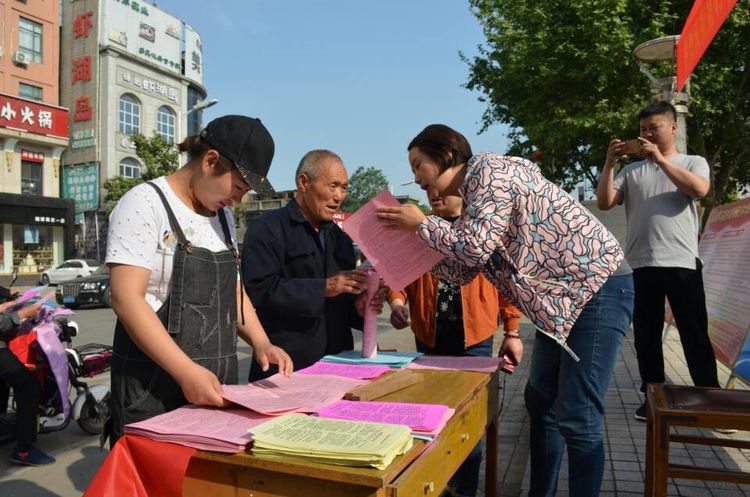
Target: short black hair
x,y
446,146
657,108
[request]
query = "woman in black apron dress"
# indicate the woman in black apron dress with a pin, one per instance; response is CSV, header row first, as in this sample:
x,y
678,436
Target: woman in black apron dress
x,y
183,352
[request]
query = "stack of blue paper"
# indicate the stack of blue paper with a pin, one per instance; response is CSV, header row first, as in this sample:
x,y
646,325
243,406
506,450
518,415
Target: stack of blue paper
x,y
392,359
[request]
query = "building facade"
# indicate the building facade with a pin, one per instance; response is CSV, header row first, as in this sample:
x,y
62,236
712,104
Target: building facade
x,y
127,67
36,224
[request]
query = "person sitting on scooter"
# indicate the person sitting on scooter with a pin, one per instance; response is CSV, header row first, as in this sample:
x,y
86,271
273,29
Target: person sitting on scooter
x,y
26,389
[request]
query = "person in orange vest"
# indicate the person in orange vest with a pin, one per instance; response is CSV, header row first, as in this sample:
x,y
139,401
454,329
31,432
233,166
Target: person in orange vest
x,y
450,319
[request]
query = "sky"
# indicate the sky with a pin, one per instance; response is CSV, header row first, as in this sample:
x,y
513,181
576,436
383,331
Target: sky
x,y
360,78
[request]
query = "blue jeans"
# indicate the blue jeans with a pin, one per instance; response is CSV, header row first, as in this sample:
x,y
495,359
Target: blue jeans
x,y
565,398
466,480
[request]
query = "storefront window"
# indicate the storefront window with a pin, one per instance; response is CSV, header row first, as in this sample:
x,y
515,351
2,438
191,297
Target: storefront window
x,y
31,178
32,248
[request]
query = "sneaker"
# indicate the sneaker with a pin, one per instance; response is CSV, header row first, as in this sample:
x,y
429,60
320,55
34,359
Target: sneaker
x,y
640,413
32,457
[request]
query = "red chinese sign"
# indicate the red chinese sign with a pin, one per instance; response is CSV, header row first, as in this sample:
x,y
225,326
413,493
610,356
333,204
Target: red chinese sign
x,y
703,22
82,24
17,113
31,156
82,69
83,110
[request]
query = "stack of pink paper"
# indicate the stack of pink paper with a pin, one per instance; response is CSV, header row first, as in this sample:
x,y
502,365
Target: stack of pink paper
x,y
279,395
423,419
206,428
356,371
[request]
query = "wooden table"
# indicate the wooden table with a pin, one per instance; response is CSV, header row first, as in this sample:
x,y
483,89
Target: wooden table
x,y
423,471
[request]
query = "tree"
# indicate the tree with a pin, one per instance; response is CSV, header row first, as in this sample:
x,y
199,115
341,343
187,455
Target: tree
x,y
159,159
561,74
363,185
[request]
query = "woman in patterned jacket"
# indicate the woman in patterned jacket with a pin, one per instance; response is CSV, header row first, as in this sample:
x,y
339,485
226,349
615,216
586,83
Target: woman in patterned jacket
x,y
553,260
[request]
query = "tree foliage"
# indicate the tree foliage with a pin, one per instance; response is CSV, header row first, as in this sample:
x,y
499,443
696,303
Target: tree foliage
x,y
364,184
562,76
159,158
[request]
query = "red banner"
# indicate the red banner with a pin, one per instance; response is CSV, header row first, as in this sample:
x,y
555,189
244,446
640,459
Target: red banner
x,y
35,117
703,22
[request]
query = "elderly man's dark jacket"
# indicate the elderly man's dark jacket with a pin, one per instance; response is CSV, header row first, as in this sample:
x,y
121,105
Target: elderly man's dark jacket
x,y
285,263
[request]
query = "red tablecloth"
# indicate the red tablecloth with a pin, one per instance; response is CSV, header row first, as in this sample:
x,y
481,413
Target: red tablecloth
x,y
141,467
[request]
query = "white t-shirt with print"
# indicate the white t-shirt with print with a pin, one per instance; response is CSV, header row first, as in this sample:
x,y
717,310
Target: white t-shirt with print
x,y
140,234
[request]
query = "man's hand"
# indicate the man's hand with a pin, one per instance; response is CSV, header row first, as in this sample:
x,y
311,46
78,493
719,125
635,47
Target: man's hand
x,y
376,304
400,317
615,152
354,282
651,151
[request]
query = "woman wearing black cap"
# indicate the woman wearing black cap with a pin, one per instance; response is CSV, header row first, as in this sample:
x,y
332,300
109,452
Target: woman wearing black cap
x,y
174,277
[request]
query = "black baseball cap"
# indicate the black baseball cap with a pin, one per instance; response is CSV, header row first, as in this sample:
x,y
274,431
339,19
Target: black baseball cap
x,y
248,144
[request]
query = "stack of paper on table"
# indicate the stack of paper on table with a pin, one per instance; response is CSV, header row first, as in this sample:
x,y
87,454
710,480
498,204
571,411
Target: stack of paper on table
x,y
357,371
392,359
300,393
459,363
206,428
423,419
331,441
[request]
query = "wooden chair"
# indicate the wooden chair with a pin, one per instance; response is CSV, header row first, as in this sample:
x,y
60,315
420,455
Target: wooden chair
x,y
670,406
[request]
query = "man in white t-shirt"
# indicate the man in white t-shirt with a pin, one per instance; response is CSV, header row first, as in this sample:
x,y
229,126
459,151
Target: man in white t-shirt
x,y
659,193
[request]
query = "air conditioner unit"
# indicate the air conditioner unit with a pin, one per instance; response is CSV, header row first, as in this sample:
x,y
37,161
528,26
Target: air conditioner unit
x,y
21,58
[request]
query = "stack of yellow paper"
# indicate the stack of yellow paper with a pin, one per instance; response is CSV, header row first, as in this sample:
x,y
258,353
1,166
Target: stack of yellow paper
x,y
331,441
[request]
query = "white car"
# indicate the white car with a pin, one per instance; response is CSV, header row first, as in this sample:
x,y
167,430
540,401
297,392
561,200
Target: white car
x,y
70,270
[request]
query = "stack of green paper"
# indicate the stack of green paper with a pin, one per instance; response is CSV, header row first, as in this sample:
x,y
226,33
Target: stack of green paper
x,y
331,441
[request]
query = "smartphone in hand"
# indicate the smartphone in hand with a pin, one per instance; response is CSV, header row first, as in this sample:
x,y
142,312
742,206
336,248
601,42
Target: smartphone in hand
x,y
632,147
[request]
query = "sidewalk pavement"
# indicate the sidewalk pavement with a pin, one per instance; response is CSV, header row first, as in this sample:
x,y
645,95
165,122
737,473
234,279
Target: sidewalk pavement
x,y
624,437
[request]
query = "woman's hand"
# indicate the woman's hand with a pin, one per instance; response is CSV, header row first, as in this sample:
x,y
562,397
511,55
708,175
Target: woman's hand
x,y
269,353
200,386
513,347
405,217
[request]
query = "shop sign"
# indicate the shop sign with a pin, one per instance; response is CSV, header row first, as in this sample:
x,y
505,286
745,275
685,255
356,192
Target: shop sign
x,y
159,58
135,80
147,33
82,139
25,115
30,156
49,220
81,183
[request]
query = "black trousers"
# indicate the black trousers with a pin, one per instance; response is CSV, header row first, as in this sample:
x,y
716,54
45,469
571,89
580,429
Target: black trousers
x,y
26,391
684,289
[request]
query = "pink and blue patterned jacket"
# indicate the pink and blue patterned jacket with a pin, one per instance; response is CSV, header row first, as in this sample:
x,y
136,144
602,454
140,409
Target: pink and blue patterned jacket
x,y
543,250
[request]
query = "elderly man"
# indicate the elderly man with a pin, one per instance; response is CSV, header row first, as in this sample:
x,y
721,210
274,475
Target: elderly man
x,y
299,268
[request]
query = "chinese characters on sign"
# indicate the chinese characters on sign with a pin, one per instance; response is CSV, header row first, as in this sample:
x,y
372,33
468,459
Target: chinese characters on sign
x,y
82,139
31,156
82,25
135,6
80,182
142,83
34,117
82,69
159,58
83,109
50,220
